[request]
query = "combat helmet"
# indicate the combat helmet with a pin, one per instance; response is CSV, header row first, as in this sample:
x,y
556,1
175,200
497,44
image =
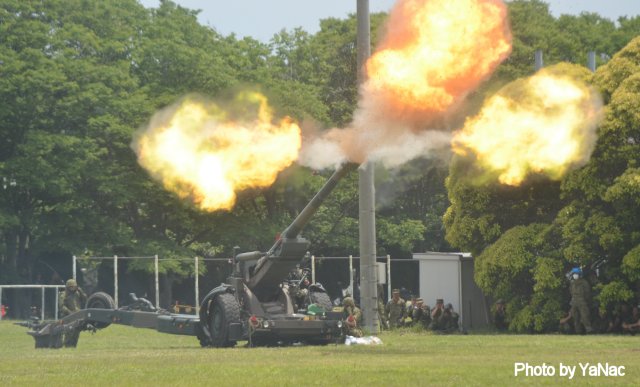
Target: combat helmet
x,y
348,301
71,283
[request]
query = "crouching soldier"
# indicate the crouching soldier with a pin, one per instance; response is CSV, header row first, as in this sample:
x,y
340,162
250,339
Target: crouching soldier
x,y
352,317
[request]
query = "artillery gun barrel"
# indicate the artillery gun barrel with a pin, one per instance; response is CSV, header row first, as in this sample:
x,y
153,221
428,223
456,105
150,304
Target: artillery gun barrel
x,y
305,215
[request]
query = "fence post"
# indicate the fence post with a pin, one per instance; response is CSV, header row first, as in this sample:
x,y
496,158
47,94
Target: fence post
x,y
42,304
197,288
351,275
388,276
313,269
55,314
155,263
74,268
115,279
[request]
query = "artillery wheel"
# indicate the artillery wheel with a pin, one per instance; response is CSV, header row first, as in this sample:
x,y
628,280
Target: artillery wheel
x,y
223,310
321,299
100,300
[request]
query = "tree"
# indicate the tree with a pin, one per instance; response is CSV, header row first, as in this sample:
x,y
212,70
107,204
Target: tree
x,y
539,230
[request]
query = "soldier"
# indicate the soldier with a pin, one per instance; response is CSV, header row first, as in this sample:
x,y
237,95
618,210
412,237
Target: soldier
x,y
71,300
408,315
426,316
450,319
436,315
418,312
580,301
352,317
500,316
395,310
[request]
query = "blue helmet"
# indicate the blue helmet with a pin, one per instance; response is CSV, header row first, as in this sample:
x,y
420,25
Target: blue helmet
x,y
576,270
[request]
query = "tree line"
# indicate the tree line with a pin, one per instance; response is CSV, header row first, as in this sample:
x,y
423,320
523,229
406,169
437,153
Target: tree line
x,y
79,77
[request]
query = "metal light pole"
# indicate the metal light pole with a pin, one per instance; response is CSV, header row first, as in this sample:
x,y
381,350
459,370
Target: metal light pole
x,y
367,219
539,62
591,61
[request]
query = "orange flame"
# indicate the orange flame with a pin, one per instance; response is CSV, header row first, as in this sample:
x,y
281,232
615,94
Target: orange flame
x,y
198,151
543,124
435,52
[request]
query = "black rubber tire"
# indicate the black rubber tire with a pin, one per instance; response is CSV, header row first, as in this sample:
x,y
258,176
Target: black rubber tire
x,y
223,310
100,300
321,299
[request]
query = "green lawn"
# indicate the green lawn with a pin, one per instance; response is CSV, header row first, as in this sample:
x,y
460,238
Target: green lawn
x,y
120,355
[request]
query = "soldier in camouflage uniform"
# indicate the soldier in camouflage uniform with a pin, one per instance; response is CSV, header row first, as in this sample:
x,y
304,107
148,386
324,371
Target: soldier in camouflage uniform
x,y
580,301
500,316
352,317
451,319
421,315
436,323
395,310
71,300
426,316
408,312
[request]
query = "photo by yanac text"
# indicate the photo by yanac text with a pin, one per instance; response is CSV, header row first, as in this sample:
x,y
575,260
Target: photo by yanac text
x,y
569,370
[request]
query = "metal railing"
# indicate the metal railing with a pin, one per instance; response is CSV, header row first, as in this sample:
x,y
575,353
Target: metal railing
x,y
42,289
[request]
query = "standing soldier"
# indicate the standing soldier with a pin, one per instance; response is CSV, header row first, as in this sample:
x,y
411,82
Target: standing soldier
x,y
500,316
580,301
71,300
395,309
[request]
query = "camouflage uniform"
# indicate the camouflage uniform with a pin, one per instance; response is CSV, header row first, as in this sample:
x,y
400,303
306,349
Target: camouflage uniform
x,y
395,311
408,313
352,317
580,298
500,316
452,321
447,321
425,320
437,323
417,311
71,300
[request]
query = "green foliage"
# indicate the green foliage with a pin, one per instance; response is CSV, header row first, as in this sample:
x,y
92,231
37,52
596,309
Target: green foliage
x,y
595,218
613,293
631,264
403,234
504,269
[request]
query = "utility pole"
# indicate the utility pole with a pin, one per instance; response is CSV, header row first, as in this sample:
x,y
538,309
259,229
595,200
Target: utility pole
x,y
539,62
367,219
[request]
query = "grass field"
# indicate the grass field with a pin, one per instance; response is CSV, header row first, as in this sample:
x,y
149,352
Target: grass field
x,y
120,355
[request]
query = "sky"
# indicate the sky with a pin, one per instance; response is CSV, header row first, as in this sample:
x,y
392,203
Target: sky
x,y
261,19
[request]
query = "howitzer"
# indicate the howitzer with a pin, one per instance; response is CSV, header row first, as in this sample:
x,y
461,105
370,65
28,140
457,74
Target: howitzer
x,y
255,292
263,272
255,304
